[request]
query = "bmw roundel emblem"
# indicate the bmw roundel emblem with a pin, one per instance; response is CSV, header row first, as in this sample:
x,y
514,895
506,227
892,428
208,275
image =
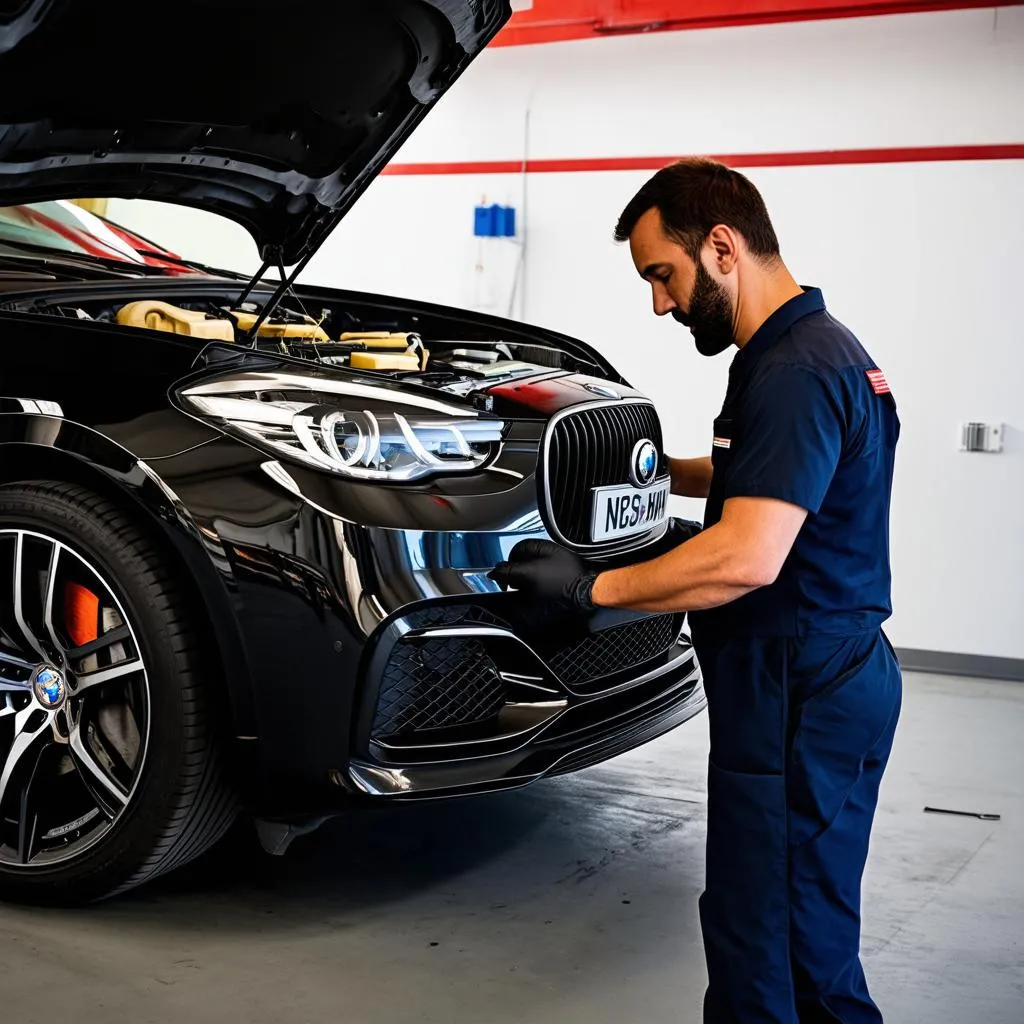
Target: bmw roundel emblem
x,y
49,687
644,464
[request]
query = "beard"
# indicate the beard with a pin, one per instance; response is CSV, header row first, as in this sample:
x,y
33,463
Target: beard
x,y
710,315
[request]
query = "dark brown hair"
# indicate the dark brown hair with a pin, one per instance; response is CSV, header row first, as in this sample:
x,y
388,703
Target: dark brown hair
x,y
693,196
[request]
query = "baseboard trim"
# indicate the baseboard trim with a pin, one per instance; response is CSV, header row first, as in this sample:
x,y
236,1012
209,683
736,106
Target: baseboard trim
x,y
948,664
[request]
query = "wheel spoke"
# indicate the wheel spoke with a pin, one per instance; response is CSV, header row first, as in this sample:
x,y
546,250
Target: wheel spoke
x,y
15,674
109,797
51,580
108,639
28,818
15,662
24,737
19,581
87,680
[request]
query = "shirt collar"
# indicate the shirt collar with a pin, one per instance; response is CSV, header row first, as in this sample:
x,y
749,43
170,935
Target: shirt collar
x,y
810,301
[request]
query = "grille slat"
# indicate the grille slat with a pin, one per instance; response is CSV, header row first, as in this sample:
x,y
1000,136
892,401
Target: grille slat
x,y
592,447
626,428
576,495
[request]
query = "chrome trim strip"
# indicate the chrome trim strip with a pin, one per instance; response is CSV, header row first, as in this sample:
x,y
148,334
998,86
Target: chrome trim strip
x,y
375,781
435,632
610,548
527,682
408,633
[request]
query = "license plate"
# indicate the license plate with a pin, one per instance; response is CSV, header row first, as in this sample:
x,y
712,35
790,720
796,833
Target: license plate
x,y
623,511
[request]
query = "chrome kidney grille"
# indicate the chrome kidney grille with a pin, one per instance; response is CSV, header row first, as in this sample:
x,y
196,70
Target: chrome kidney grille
x,y
587,447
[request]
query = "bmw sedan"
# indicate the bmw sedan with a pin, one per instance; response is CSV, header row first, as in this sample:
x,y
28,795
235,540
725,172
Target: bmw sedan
x,y
245,523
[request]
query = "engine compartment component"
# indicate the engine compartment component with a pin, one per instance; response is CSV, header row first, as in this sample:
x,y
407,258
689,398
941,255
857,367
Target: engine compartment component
x,y
162,316
279,327
384,361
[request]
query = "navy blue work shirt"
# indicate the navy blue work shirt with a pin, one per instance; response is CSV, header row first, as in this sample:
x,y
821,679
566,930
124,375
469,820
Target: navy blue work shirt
x,y
808,418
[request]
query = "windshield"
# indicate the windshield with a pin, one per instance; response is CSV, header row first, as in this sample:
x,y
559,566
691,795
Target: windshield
x,y
64,226
125,232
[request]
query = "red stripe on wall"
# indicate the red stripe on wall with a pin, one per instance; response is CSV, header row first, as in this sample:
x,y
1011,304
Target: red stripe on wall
x,y
809,158
552,21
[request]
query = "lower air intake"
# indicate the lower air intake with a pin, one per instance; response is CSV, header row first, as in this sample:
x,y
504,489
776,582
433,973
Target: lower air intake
x,y
615,650
437,684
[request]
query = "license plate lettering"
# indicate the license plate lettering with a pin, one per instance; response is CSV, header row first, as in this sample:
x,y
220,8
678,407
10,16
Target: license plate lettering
x,y
625,510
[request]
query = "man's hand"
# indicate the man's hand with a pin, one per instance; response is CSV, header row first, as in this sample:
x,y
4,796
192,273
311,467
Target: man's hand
x,y
551,574
691,478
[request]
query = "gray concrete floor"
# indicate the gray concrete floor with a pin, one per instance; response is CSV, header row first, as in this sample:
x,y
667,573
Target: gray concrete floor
x,y
572,901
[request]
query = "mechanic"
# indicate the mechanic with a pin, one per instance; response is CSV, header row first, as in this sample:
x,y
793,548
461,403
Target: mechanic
x,y
787,587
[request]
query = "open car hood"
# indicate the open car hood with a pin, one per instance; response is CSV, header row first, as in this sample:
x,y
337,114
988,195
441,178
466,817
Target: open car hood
x,y
276,115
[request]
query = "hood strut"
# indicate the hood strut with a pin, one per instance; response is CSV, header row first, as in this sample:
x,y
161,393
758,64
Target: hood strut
x,y
275,258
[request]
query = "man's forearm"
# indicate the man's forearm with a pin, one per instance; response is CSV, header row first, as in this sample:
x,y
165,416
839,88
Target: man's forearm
x,y
705,572
691,478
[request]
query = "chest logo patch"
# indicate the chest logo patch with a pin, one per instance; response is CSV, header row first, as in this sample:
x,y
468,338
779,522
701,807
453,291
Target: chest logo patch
x,y
722,442
878,383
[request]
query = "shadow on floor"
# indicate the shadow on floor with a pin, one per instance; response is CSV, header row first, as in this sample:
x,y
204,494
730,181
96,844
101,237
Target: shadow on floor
x,y
353,862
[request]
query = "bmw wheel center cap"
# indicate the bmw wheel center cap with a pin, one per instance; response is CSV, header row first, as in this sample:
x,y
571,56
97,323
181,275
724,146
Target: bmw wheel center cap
x,y
644,464
49,687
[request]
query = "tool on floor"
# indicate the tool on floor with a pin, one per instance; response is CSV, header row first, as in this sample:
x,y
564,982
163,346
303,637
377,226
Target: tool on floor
x,y
966,814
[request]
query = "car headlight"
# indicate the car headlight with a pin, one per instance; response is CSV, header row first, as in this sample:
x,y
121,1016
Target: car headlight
x,y
356,430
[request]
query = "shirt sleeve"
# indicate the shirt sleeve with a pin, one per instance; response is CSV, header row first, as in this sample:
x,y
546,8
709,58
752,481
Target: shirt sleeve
x,y
790,438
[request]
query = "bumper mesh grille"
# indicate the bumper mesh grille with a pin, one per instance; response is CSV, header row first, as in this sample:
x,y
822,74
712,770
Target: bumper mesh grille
x,y
592,448
615,650
437,684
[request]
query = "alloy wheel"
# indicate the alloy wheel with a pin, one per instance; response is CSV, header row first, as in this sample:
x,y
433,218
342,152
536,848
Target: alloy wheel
x,y
74,703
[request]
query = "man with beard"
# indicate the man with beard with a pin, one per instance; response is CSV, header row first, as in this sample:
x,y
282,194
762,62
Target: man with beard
x,y
787,587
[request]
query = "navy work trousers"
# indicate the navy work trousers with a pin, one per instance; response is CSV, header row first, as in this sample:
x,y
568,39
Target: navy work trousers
x,y
801,730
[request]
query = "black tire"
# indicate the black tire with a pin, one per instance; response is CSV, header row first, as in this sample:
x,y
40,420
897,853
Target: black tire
x,y
182,801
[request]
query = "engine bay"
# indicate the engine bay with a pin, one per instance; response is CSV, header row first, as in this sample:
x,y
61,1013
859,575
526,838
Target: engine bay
x,y
437,352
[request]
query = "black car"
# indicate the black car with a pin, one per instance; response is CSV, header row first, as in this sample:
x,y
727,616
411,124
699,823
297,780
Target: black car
x,y
246,525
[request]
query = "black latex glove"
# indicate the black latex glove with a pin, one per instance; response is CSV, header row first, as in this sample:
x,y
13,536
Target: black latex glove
x,y
553,575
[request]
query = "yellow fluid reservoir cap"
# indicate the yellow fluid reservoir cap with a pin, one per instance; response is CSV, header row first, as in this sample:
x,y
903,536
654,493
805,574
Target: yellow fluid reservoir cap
x,y
162,316
383,361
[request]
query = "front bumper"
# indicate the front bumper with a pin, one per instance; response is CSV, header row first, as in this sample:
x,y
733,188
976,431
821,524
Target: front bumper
x,y
540,712
583,734
325,607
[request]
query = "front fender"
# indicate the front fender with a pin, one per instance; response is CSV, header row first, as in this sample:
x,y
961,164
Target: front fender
x,y
43,447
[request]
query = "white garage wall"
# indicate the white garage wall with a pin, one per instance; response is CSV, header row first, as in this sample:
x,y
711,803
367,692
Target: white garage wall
x,y
924,261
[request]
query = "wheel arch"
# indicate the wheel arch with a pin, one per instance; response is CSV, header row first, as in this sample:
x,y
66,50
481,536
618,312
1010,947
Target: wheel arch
x,y
76,454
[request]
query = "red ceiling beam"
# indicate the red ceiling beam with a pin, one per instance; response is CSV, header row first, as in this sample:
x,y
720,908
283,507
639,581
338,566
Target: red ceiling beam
x,y
550,21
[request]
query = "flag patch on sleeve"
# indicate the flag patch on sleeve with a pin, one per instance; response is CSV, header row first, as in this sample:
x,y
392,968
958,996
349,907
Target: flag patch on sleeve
x,y
878,383
722,442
